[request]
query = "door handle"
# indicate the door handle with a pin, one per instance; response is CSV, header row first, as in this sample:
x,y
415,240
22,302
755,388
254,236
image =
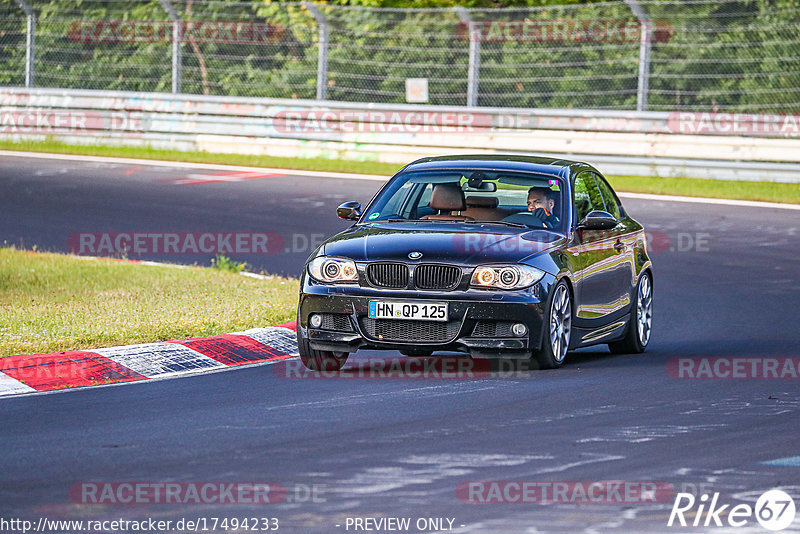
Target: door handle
x,y
619,246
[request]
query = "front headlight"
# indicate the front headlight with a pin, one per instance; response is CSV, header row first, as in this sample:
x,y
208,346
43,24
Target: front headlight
x,y
505,276
330,269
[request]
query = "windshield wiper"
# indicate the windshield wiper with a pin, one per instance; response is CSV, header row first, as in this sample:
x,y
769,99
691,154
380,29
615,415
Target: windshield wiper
x,y
417,220
505,223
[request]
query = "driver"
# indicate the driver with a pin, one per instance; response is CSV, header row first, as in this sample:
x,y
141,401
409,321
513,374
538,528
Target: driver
x,y
541,209
541,203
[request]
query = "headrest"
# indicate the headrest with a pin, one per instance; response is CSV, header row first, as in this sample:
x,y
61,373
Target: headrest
x,y
448,197
482,202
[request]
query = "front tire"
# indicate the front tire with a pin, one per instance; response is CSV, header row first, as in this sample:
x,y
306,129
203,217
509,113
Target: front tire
x,y
559,328
319,360
641,322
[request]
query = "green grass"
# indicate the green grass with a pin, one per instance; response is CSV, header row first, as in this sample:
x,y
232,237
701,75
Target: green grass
x,y
306,164
692,187
224,263
696,187
55,302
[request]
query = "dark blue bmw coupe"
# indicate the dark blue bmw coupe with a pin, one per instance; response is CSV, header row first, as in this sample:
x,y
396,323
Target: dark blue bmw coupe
x,y
496,256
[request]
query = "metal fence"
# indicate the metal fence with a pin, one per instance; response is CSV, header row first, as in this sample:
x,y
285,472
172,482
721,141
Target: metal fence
x,y
715,55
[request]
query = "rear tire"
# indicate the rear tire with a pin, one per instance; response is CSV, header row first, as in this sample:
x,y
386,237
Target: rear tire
x,y
319,360
640,323
558,323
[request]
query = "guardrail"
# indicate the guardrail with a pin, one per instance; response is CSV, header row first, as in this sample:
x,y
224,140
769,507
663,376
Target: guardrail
x,y
704,145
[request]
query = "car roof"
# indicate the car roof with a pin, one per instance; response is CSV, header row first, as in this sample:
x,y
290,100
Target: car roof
x,y
507,162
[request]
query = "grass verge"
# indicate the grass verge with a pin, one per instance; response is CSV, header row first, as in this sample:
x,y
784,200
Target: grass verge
x,y
55,302
305,164
696,187
690,187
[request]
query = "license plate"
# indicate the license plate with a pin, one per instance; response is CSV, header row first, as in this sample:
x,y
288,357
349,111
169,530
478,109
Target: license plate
x,y
422,311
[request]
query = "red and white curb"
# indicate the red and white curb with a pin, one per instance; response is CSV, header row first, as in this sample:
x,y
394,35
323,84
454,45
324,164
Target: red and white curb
x,y
168,359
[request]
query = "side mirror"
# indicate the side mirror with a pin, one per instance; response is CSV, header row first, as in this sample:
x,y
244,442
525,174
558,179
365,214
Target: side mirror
x,y
349,210
598,220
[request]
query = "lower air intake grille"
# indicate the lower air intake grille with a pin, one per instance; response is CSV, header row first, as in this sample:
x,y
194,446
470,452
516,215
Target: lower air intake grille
x,y
410,331
337,322
493,329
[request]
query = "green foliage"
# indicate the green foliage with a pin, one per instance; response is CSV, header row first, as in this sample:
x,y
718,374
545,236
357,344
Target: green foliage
x,y
224,263
727,56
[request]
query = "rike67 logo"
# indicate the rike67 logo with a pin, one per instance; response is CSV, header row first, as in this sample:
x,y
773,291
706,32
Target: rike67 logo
x,y
774,510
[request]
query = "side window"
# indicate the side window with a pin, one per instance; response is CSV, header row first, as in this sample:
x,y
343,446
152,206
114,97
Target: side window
x,y
587,196
425,199
423,205
612,206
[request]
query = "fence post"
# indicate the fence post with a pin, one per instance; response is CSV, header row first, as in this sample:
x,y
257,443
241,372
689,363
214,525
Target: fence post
x,y
30,41
177,41
645,38
322,54
473,70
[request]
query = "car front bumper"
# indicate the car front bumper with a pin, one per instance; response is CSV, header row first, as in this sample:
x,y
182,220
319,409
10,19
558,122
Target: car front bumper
x,y
466,309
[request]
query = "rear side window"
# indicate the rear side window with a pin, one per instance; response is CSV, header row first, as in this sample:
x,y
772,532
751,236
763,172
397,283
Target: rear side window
x,y
612,205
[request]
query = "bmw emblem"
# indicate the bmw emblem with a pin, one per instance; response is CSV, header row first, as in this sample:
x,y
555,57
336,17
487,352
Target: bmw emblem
x,y
414,255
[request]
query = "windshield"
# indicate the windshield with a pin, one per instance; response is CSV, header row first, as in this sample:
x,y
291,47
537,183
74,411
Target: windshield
x,y
511,198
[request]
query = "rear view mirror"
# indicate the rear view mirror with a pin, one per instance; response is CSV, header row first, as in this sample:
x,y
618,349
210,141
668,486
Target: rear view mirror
x,y
350,211
483,187
598,220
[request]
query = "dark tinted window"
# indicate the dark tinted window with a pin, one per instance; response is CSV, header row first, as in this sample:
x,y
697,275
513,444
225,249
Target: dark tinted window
x,y
612,206
587,196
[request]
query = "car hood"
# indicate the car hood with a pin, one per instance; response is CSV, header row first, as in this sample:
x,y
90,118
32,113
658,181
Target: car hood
x,y
460,243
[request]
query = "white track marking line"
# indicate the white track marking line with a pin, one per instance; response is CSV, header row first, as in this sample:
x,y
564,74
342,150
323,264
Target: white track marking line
x,y
353,176
704,200
12,386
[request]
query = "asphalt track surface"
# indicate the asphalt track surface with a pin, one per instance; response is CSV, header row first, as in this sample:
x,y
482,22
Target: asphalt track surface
x,y
726,285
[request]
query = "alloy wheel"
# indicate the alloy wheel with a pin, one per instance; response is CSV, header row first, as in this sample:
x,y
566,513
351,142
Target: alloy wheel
x,y
644,310
560,323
